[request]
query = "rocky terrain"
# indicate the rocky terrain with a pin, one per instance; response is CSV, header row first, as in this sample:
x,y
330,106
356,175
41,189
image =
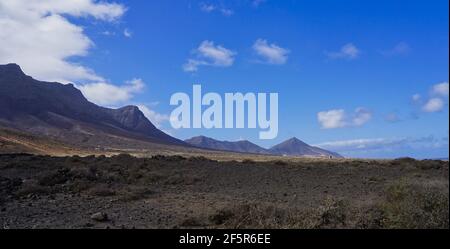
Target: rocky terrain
x,y
195,192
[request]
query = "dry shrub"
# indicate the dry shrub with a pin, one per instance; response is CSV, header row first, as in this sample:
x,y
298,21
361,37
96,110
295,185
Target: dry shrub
x,y
331,214
179,179
191,222
251,216
151,178
135,193
31,188
248,161
53,178
414,206
102,191
280,163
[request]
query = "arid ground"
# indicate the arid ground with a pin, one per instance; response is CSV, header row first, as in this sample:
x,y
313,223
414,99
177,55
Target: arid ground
x,y
180,192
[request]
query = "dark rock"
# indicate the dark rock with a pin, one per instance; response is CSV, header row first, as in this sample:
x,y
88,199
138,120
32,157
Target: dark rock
x,y
99,217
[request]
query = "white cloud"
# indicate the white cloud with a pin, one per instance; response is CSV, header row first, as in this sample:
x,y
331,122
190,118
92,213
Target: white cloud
x,y
108,33
440,89
402,48
208,54
356,143
433,105
257,3
156,118
332,119
338,118
416,98
209,8
127,33
348,51
270,53
227,12
362,116
38,35
392,117
437,99
107,94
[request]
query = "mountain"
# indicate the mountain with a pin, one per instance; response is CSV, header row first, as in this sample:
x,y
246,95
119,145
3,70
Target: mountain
x,y
291,147
238,146
296,147
62,112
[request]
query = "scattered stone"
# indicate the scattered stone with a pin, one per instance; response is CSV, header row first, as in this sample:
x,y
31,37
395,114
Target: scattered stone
x,y
100,217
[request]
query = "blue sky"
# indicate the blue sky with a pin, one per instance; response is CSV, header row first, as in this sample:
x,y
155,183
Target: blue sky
x,y
355,64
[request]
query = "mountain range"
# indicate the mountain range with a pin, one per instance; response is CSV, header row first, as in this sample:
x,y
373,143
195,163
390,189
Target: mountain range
x,y
243,146
61,113
291,147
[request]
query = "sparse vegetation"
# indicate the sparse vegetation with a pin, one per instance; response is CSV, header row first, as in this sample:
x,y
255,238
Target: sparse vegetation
x,y
413,206
197,192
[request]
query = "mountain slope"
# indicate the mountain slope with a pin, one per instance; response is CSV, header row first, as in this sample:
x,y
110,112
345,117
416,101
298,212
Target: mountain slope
x,y
61,111
238,146
296,147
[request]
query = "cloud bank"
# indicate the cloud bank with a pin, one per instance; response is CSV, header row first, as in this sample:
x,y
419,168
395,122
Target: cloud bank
x,y
38,35
373,145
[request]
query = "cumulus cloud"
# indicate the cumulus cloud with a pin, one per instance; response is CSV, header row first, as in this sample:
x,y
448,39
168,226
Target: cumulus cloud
x,y
338,118
39,36
440,89
332,119
433,105
361,116
209,54
348,51
270,53
437,100
108,94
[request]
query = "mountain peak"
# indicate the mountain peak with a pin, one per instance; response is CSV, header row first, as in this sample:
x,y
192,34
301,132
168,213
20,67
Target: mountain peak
x,y
11,68
130,110
296,147
294,140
